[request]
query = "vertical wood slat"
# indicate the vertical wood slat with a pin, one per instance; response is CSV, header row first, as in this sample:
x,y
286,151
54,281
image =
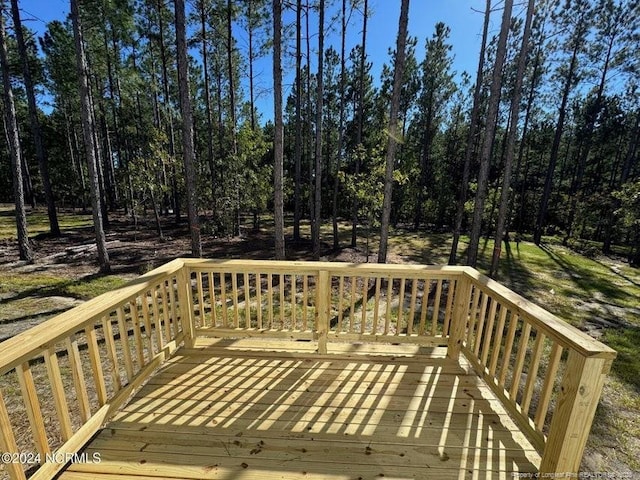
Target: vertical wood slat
x,y
124,340
270,299
365,300
75,362
424,307
96,365
517,369
223,299
147,322
436,307
234,294
472,317
247,301
200,287
376,306
547,387
460,318
532,373
305,300
112,354
212,299
57,389
340,297
387,317
137,334
323,305
187,310
449,308
508,347
32,405
8,442
480,328
156,317
259,299
281,304
352,299
165,311
400,316
496,348
294,288
172,301
412,305
488,334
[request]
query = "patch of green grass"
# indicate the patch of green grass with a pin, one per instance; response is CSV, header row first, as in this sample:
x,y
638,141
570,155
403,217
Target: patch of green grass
x,y
38,221
626,366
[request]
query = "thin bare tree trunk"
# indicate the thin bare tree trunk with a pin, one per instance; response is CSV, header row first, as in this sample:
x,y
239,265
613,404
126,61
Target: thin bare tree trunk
x,y
393,129
278,141
298,126
88,128
473,125
188,154
511,140
36,130
336,182
317,217
485,158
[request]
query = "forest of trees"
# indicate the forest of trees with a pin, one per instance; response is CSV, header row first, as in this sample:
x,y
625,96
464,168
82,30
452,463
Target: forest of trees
x,y
150,114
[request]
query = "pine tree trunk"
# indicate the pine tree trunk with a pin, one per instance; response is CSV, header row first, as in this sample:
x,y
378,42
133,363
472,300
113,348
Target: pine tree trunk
x,y
232,92
88,133
298,126
393,128
492,111
278,141
36,130
11,125
188,153
511,139
336,182
207,100
473,126
317,214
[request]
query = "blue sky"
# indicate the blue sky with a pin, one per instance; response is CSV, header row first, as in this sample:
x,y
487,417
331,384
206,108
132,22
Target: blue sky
x,y
459,15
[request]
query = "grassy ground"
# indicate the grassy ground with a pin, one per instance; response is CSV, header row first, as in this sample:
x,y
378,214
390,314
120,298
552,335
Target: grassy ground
x,y
600,295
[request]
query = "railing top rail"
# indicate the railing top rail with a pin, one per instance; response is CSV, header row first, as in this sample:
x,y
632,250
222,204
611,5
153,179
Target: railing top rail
x,y
372,269
25,345
554,327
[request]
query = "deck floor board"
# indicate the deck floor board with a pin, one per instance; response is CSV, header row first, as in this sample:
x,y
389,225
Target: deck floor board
x,y
233,410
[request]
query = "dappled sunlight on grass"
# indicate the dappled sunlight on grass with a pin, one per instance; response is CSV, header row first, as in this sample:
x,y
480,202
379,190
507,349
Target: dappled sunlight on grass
x,y
38,222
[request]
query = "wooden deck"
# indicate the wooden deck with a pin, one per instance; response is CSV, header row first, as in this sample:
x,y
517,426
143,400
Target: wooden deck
x,y
234,409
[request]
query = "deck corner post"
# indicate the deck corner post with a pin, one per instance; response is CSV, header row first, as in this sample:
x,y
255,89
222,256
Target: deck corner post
x,y
576,406
185,305
460,316
323,302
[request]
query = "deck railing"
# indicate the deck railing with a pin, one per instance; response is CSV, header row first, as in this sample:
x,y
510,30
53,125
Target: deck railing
x,y
548,375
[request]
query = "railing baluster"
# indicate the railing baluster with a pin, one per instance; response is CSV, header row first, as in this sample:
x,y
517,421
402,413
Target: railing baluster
x,y
137,334
532,373
449,308
517,369
376,306
352,299
424,307
165,312
172,301
200,287
412,305
111,351
270,299
323,301
400,316
496,348
96,365
32,405
387,318
147,321
547,387
365,288
436,308
8,442
472,317
305,300
234,293
294,287
75,362
57,389
282,301
340,297
480,328
223,299
259,299
508,347
212,299
488,334
156,317
247,301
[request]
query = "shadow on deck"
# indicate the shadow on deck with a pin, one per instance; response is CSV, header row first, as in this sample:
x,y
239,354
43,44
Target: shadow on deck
x,y
233,409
